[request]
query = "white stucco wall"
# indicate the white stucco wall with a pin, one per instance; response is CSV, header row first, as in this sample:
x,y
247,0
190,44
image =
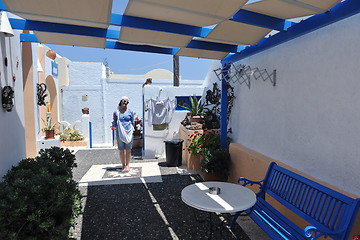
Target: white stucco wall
x,y
104,94
311,119
85,79
12,132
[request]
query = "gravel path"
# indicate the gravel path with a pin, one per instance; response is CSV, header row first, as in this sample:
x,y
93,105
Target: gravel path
x,y
142,210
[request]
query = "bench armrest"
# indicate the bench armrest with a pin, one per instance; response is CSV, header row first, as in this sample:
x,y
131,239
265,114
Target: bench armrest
x,y
244,181
313,233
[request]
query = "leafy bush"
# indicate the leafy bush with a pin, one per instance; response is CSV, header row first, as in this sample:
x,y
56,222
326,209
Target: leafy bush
x,y
217,161
208,139
38,198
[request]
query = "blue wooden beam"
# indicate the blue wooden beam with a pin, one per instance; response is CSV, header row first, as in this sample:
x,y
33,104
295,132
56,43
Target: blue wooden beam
x,y
157,25
63,28
341,11
213,46
22,24
140,48
261,20
24,37
224,106
2,6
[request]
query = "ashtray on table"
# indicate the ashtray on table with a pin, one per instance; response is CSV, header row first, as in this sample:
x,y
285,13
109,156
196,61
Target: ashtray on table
x,y
214,190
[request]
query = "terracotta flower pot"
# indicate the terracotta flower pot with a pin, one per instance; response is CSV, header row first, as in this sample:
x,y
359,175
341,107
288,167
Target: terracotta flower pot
x,y
49,134
51,54
210,177
198,119
137,142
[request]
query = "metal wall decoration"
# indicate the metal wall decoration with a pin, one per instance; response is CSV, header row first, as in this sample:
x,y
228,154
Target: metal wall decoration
x,y
242,74
7,98
41,94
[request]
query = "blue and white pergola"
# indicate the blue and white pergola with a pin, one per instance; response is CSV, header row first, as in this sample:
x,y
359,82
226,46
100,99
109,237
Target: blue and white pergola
x,y
233,52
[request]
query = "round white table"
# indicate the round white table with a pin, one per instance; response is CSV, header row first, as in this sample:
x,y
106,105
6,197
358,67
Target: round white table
x,y
232,198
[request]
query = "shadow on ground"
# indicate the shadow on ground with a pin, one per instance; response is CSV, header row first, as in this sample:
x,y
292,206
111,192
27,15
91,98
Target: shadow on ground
x,y
147,211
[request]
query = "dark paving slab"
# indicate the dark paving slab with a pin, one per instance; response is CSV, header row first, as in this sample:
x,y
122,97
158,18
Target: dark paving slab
x,y
141,211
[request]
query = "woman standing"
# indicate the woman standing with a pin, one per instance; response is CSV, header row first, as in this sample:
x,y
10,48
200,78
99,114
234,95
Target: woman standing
x,y
124,124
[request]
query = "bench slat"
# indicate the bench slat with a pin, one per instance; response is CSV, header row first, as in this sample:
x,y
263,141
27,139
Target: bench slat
x,y
305,198
294,192
333,204
279,227
307,208
313,201
336,214
320,208
326,212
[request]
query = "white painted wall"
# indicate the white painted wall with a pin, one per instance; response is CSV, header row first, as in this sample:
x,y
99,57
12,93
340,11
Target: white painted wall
x,y
311,119
86,78
12,132
104,94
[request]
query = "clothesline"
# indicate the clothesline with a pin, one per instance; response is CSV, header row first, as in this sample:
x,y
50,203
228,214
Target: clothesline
x,y
159,110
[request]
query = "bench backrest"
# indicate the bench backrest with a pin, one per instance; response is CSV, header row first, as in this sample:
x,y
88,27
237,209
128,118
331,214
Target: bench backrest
x,y
321,206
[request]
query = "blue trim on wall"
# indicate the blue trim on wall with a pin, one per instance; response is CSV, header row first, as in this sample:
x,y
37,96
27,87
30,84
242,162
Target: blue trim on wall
x,y
342,10
182,100
261,20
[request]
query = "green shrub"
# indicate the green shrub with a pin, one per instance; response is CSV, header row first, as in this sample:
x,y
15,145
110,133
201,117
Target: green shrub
x,y
201,141
217,161
38,198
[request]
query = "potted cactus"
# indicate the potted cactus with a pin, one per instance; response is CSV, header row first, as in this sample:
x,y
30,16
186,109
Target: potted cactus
x,y
49,128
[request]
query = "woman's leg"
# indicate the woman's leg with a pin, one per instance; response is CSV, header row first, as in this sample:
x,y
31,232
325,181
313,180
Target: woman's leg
x,y
122,158
128,157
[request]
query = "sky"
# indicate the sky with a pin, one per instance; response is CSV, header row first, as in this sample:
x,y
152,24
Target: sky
x,y
131,62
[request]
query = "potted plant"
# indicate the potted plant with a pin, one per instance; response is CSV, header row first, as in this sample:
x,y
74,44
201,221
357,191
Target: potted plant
x,y
215,164
137,134
48,129
200,142
71,137
196,109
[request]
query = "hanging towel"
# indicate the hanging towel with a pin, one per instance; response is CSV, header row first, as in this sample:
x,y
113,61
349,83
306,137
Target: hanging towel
x,y
159,111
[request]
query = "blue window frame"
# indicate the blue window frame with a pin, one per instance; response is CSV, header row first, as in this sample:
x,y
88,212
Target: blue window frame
x,y
181,100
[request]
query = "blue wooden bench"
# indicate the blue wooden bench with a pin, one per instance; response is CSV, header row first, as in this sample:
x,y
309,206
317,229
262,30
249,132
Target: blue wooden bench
x,y
329,213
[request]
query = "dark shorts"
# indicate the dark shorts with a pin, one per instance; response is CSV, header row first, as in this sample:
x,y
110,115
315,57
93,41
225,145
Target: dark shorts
x,y
122,145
